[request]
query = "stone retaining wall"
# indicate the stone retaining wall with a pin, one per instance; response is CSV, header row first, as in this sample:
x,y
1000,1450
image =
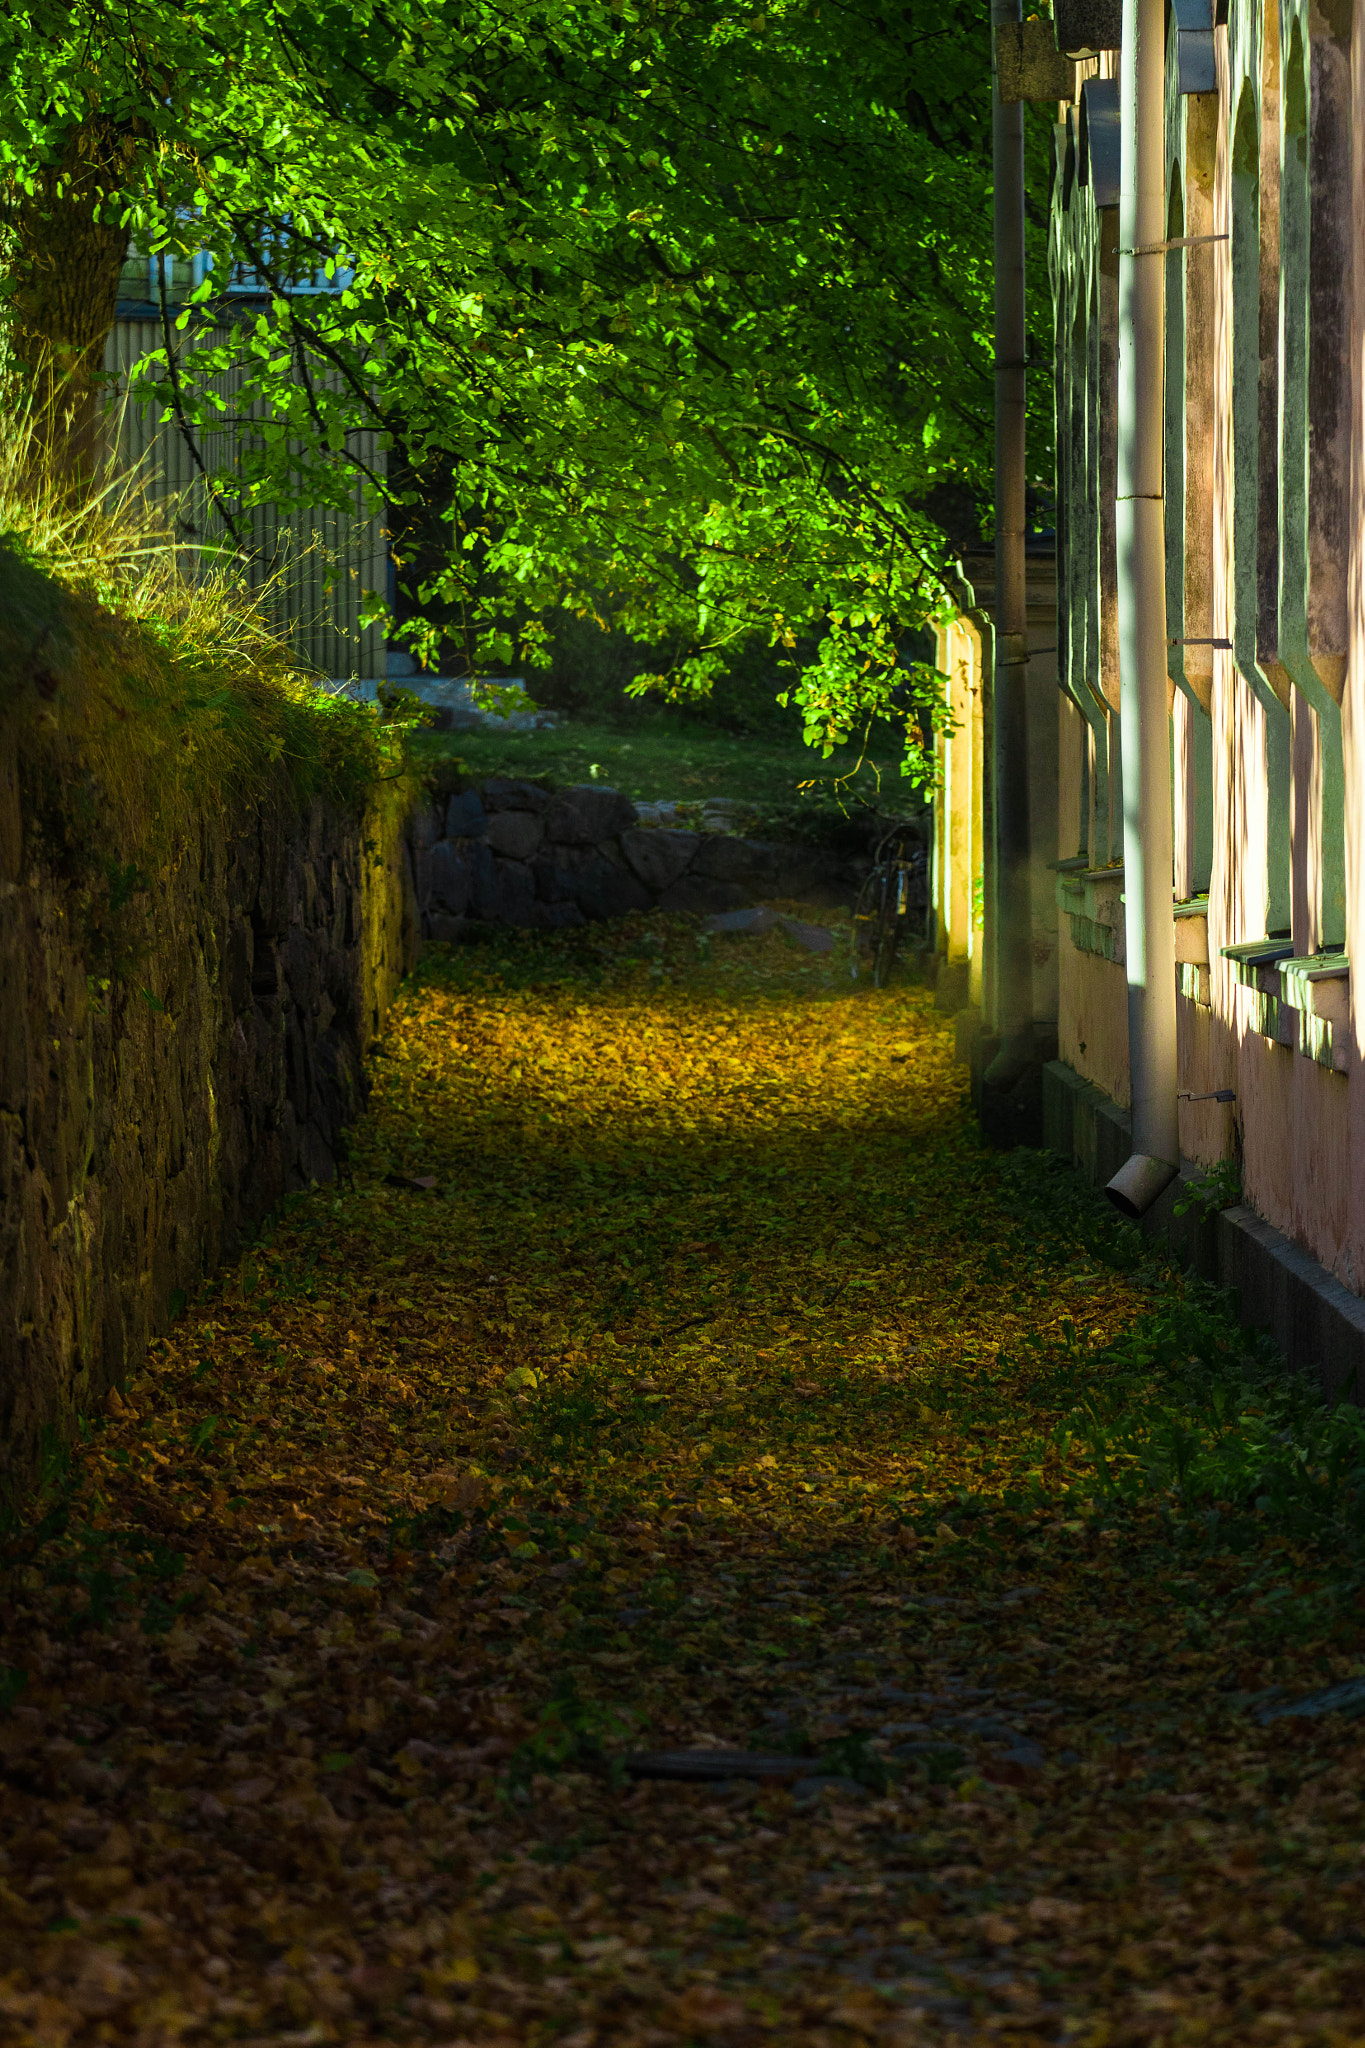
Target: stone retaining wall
x,y
147,1127
508,852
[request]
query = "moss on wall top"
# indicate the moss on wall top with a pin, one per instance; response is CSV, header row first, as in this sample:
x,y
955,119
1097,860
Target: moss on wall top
x,y
130,703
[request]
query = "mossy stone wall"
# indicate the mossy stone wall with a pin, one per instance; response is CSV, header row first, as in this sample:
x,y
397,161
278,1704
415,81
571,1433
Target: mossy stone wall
x,y
178,1049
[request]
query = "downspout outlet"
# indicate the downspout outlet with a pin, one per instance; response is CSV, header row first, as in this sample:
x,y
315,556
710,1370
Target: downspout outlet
x,y
1138,1182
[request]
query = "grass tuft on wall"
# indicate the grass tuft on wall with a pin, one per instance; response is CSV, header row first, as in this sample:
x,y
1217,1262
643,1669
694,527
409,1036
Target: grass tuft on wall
x,y
140,680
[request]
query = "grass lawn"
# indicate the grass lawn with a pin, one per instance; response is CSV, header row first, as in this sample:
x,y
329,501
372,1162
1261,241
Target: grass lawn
x,y
667,758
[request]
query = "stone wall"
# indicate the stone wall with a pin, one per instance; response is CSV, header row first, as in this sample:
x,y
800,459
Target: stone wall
x,y
508,852
148,1125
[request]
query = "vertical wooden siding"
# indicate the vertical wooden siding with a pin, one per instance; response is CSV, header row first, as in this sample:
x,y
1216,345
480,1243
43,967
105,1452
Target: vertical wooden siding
x,y
317,563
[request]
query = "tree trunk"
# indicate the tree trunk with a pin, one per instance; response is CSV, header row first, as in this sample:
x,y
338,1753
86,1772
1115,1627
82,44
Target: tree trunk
x,y
68,246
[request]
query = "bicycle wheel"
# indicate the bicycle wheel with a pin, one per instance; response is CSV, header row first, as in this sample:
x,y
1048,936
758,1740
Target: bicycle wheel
x,y
888,933
867,913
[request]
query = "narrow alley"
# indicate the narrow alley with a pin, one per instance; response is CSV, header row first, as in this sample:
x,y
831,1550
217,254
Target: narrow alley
x,y
674,1373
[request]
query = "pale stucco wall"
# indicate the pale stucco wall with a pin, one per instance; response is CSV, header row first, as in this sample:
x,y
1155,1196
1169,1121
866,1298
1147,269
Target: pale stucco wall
x,y
1265,420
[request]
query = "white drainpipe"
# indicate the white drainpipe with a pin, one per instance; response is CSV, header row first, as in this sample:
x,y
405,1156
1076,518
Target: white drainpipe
x,y
1149,926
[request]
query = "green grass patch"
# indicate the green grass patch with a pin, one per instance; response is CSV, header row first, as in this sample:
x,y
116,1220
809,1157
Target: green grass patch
x,y
658,759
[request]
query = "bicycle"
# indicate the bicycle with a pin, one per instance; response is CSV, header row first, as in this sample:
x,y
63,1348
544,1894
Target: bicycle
x,y
893,903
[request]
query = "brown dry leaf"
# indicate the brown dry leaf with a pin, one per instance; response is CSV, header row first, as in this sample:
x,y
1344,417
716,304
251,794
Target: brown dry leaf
x,y
705,2010
250,1791
863,2014
461,1490
1044,1912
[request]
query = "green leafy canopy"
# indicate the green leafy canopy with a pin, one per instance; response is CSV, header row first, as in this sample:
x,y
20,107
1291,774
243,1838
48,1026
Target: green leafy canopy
x,y
676,311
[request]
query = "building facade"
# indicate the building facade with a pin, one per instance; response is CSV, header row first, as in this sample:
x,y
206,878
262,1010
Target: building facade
x,y
1262,418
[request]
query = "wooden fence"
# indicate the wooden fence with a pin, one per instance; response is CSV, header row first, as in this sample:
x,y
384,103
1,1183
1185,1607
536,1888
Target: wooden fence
x,y
317,563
